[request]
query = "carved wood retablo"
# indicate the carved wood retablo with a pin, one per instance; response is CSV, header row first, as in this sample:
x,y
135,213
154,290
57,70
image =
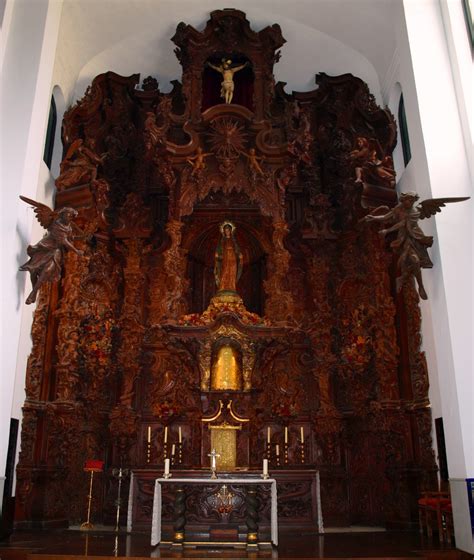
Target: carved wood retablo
x,y
324,367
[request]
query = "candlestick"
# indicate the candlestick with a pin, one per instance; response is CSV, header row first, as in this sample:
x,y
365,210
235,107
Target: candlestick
x,y
166,434
173,449
149,434
286,434
302,434
269,433
265,469
180,435
277,450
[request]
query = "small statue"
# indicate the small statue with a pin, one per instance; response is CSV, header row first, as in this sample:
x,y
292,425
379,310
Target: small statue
x,y
228,260
46,257
360,155
381,169
411,243
253,161
197,161
227,84
79,167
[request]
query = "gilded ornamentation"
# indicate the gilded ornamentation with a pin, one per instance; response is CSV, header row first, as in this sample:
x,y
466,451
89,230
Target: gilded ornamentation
x,y
227,137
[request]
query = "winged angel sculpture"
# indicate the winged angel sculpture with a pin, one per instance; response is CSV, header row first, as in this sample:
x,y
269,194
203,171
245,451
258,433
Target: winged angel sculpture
x,y
411,243
46,257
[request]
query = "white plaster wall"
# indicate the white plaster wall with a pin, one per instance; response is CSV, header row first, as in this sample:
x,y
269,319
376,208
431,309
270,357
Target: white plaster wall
x,y
151,53
440,168
137,39
29,45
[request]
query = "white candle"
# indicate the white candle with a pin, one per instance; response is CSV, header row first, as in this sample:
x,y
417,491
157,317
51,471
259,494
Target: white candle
x,y
277,449
286,434
149,434
302,434
180,435
166,434
173,449
265,467
167,466
268,434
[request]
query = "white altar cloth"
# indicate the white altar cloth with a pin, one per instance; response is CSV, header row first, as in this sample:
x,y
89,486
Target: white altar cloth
x,y
156,520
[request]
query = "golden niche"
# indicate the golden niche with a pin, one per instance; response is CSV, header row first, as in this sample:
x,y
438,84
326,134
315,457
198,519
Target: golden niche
x,y
226,370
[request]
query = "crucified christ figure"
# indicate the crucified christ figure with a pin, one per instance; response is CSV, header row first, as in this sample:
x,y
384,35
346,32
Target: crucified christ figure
x,y
227,84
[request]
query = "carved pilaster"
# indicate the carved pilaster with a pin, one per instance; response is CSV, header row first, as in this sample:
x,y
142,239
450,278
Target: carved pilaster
x,y
279,305
35,366
319,329
69,315
385,337
131,318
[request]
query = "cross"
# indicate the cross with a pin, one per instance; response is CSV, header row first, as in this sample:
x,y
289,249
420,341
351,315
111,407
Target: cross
x,y
213,455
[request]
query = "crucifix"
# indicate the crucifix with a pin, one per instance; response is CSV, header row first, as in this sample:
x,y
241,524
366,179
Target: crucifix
x,y
213,455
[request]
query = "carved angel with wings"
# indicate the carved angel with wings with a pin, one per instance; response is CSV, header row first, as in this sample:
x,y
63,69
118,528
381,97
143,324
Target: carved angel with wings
x,y
411,243
46,257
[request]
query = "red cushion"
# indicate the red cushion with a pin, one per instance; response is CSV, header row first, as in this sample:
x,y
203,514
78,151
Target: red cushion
x,y
433,502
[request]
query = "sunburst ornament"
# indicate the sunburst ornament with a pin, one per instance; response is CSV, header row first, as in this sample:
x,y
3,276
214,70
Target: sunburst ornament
x,y
227,138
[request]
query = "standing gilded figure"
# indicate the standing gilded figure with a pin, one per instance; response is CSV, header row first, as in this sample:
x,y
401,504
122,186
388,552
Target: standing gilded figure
x,y
228,260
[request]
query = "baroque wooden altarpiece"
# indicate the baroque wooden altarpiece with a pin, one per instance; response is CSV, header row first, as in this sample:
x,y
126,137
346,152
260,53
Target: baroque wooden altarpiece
x,y
123,346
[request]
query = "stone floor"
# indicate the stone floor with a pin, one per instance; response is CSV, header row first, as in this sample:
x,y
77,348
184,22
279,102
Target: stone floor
x,y
360,544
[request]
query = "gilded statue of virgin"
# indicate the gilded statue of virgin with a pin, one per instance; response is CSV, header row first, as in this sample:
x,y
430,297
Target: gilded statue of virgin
x,y
228,260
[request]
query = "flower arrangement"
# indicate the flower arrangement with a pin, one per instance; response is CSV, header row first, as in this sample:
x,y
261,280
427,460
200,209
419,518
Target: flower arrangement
x,y
215,308
357,345
96,343
284,409
166,410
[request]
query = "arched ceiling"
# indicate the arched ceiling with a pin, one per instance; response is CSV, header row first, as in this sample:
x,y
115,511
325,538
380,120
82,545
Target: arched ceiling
x,y
129,36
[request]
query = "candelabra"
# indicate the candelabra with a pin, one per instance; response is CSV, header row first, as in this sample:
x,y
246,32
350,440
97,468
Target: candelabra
x,y
119,474
269,451
302,450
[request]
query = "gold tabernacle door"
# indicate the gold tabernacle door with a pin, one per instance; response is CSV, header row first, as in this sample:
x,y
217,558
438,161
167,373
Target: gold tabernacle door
x,y
222,433
224,441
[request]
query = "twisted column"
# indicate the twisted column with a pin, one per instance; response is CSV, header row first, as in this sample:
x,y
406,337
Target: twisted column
x,y
251,520
179,516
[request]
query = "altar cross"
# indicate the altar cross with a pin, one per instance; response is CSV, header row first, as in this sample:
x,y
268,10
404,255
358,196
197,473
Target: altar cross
x,y
213,455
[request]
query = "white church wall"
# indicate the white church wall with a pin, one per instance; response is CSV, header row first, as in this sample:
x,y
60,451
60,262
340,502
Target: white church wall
x,y
29,47
151,53
439,168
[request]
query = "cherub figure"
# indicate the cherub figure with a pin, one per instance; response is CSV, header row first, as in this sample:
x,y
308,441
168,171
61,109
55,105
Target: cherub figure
x,y
411,243
253,161
46,257
381,168
227,84
197,161
360,155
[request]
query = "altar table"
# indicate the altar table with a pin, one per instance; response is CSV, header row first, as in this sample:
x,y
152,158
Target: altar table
x,y
156,520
